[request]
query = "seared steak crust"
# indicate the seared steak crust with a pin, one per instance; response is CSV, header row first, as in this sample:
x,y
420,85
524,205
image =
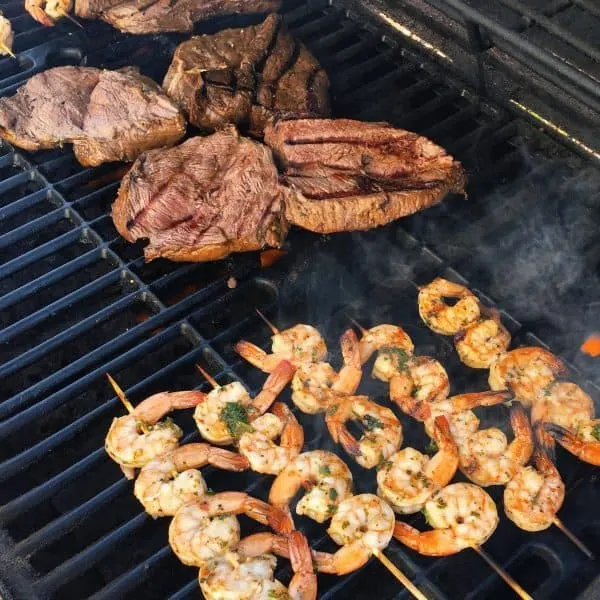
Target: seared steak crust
x,y
245,76
203,199
106,115
351,175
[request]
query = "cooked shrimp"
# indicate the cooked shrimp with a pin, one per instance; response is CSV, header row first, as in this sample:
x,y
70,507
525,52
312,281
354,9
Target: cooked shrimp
x,y
461,514
7,36
479,344
383,430
408,479
584,443
394,346
259,448
228,410
423,381
47,12
439,316
169,481
314,383
563,403
299,344
326,478
137,438
526,371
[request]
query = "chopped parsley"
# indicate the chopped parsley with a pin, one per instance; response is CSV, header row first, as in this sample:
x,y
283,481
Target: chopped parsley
x,y
345,524
372,423
475,514
398,356
416,389
333,494
332,409
324,470
235,416
426,515
431,447
596,432
441,503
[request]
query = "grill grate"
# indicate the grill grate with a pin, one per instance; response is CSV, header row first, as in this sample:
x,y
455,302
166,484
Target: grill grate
x,y
77,302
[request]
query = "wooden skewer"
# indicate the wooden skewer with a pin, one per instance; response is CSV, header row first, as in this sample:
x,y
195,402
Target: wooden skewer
x,y
505,576
573,537
7,50
269,324
62,13
357,324
208,377
123,398
399,575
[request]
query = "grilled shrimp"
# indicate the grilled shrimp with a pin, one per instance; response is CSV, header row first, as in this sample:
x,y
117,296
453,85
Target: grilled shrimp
x,y
314,383
169,481
137,438
383,430
439,316
563,403
7,36
423,381
479,344
361,524
526,371
47,12
326,478
259,448
583,443
408,479
207,528
394,346
227,411
487,458
461,514
299,344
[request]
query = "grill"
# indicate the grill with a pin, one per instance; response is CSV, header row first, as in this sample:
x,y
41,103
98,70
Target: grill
x,y
77,302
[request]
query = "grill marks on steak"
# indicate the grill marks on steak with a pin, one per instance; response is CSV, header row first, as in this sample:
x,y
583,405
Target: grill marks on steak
x,y
246,76
352,175
152,16
106,115
203,199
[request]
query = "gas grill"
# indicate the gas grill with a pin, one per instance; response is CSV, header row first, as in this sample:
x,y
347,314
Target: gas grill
x,y
510,88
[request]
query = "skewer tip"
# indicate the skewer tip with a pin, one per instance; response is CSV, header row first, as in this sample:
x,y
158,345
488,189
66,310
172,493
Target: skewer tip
x,y
573,538
357,324
208,377
7,50
70,18
399,575
120,393
269,324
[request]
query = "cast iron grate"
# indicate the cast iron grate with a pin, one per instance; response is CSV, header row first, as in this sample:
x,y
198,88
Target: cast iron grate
x,y
76,302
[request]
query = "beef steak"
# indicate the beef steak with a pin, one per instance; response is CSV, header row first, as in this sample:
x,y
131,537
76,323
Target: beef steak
x,y
245,76
351,175
106,115
203,199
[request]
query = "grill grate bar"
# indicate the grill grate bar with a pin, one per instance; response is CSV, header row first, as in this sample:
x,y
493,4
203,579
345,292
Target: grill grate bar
x,y
23,203
189,590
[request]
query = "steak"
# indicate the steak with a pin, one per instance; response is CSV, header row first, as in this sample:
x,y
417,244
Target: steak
x,y
246,76
349,175
153,16
203,199
106,115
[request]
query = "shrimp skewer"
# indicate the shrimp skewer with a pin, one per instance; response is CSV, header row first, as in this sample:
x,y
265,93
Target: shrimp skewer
x,y
47,12
169,481
7,36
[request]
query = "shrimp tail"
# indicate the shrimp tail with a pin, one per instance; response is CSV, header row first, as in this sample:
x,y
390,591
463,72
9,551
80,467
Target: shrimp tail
x,y
350,349
303,585
292,435
437,542
253,354
348,441
274,385
194,456
586,451
263,543
280,520
544,442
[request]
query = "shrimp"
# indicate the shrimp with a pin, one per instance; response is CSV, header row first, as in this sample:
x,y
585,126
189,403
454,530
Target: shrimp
x,y
584,443
361,524
526,371
258,447
228,410
487,458
315,383
423,381
137,438
408,479
479,344
47,12
299,344
461,514
207,528
563,403
169,481
383,430
441,317
394,346
7,36
325,476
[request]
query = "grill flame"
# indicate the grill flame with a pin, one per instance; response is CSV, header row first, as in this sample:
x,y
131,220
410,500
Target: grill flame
x,y
591,346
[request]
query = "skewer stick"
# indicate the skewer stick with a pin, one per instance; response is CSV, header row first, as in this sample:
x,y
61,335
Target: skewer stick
x,y
399,575
7,50
357,324
121,395
208,377
505,576
573,537
62,13
269,324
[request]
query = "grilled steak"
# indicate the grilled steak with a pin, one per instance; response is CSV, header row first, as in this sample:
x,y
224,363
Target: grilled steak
x,y
152,16
245,76
351,175
106,115
203,200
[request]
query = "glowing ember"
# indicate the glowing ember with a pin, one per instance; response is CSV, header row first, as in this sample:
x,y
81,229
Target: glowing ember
x,y
591,346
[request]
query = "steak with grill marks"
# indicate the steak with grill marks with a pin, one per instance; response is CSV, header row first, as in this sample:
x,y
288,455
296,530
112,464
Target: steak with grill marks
x,y
203,199
350,175
245,76
152,16
106,115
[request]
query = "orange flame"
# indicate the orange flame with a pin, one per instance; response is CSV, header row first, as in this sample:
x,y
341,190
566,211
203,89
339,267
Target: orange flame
x,y
591,346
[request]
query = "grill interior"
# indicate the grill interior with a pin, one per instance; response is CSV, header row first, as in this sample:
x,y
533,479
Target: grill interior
x,y
76,302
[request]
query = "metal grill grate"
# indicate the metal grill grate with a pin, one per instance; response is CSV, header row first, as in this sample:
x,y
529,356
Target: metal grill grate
x,y
76,301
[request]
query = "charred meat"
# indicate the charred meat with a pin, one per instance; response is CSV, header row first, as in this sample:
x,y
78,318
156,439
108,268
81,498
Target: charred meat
x,y
152,16
352,175
203,200
245,76
106,115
